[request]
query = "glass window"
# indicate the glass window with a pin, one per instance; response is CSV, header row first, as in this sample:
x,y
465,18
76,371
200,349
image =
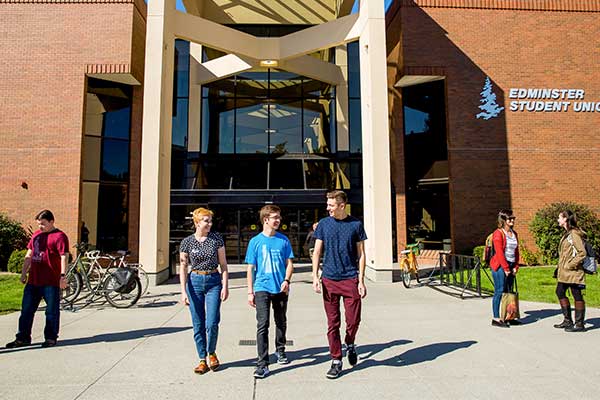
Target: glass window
x,y
286,174
285,128
314,88
229,174
252,84
251,126
319,174
317,125
224,88
115,160
218,121
353,70
180,122
354,125
182,68
284,84
116,123
112,217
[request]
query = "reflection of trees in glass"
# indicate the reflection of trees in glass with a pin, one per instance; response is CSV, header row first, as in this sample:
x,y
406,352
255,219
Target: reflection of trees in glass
x,y
280,148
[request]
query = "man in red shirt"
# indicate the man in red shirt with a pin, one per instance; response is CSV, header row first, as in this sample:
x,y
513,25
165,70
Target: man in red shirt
x,y
46,262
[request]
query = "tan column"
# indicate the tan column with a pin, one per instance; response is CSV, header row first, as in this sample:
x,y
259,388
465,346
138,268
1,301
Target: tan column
x,y
156,141
375,142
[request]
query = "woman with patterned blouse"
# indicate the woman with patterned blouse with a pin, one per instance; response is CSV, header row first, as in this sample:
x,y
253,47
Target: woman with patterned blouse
x,y
204,286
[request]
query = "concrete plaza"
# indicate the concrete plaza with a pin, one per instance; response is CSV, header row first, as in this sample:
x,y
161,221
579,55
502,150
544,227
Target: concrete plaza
x,y
412,343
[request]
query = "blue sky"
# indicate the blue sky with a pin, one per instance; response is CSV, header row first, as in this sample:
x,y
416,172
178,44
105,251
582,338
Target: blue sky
x,y
354,9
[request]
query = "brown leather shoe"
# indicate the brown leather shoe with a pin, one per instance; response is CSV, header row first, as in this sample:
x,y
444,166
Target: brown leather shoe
x,y
202,368
213,361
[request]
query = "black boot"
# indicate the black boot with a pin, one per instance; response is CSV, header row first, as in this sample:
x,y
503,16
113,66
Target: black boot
x,y
579,318
566,310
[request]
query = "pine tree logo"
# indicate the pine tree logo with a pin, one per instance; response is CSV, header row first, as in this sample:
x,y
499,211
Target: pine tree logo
x,y
489,107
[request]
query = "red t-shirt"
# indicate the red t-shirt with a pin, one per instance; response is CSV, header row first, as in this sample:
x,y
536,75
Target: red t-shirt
x,y
46,249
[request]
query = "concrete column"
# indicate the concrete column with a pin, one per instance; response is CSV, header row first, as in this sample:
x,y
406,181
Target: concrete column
x,y
375,143
156,141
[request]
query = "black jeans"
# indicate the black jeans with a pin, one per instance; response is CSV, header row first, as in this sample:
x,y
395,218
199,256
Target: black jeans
x,y
264,301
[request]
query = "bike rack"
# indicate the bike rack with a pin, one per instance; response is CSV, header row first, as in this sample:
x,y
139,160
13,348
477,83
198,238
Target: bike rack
x,y
464,273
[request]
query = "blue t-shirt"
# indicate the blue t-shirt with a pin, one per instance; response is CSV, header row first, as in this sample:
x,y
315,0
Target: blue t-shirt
x,y
269,254
340,237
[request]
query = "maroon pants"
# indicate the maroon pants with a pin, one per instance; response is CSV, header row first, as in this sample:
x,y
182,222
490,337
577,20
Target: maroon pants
x,y
332,291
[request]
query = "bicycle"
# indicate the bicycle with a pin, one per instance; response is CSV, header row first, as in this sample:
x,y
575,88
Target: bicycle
x,y
74,272
121,262
101,281
409,266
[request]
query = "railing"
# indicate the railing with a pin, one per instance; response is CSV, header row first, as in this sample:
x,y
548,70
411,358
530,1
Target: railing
x,y
464,273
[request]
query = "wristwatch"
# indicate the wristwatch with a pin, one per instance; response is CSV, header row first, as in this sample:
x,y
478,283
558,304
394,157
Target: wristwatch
x,y
287,280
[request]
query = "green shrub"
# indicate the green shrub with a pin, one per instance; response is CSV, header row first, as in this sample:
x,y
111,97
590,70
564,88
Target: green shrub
x,y
478,252
547,233
15,262
528,257
12,237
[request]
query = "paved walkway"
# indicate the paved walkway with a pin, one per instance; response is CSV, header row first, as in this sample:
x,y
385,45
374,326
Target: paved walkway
x,y
413,343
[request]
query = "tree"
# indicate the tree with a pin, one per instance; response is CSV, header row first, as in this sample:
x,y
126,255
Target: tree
x,y
489,107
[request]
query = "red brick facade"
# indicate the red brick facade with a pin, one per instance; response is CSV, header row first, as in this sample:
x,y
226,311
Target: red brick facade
x,y
520,160
48,47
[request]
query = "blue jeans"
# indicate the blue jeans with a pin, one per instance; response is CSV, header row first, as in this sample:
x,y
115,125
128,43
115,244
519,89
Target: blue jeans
x,y
502,283
204,295
32,295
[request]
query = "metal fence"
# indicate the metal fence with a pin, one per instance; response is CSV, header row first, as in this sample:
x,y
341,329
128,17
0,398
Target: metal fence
x,y
463,273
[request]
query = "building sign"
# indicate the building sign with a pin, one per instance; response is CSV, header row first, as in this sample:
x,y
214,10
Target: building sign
x,y
550,100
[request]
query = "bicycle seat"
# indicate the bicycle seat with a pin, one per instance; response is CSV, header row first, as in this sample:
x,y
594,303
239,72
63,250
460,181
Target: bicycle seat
x,y
123,252
405,252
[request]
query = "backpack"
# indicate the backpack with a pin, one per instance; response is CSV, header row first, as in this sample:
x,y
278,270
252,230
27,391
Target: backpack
x,y
123,280
589,262
590,266
489,251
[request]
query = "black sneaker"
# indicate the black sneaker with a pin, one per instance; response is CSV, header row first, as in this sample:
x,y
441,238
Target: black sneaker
x,y
49,343
17,343
351,353
282,357
261,372
500,324
335,370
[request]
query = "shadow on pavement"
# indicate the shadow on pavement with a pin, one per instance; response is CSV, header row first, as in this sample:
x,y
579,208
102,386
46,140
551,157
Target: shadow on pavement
x,y
413,356
536,315
595,322
107,337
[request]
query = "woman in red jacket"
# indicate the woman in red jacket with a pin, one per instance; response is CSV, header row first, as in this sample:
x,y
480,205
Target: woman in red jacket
x,y
504,263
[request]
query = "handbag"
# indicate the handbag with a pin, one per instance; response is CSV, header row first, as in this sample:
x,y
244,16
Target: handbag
x,y
509,305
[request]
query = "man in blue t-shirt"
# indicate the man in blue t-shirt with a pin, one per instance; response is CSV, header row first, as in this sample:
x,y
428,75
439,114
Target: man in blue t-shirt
x,y
342,237
269,258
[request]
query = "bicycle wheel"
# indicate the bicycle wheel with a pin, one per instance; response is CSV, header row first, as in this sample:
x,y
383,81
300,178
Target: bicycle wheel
x,y
405,273
417,274
121,300
74,283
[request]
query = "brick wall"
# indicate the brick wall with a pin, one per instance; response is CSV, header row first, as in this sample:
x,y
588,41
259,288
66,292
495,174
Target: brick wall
x,y
520,160
46,46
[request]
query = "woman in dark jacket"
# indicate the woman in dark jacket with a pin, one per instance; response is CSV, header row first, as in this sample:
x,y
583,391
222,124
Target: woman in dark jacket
x,y
569,272
504,263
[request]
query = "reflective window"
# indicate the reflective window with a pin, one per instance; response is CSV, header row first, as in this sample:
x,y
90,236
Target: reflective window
x,y
115,160
319,174
182,69
285,127
353,70
317,124
354,125
218,120
251,126
180,122
286,174
105,163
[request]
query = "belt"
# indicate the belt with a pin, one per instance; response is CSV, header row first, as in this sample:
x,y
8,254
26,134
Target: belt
x,y
212,271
